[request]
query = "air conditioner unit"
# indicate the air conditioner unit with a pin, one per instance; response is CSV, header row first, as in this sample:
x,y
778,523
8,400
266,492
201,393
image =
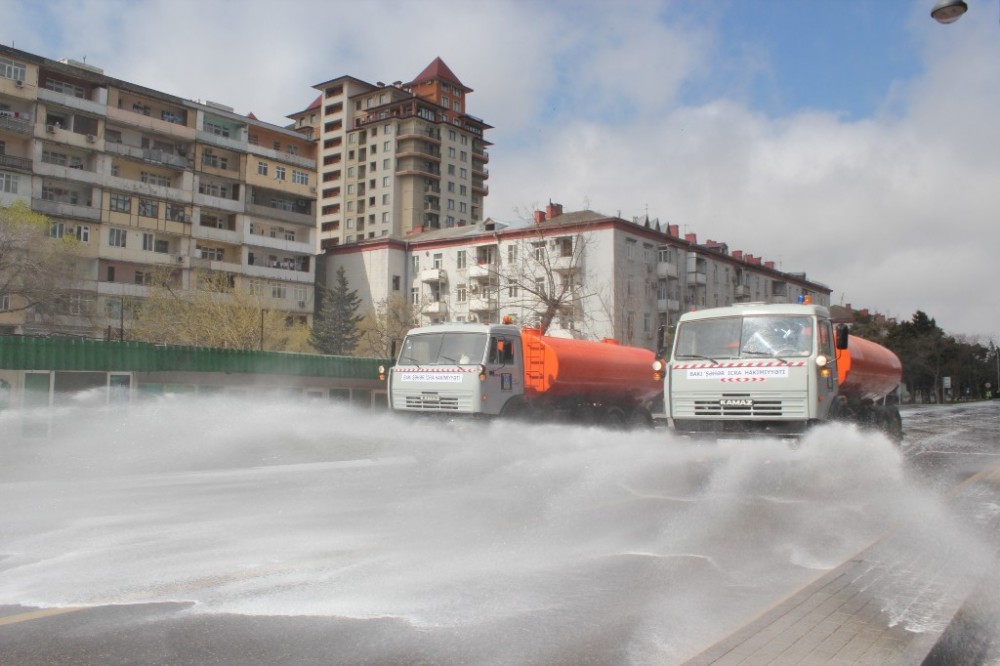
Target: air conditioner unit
x,y
313,190
302,304
51,129
91,138
19,83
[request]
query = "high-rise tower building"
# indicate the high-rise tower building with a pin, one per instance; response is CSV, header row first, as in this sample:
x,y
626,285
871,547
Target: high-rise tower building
x,y
397,159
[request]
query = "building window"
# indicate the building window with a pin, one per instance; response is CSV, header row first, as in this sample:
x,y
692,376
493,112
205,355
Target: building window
x,y
461,293
460,259
121,203
415,296
300,177
438,260
630,245
147,242
116,237
511,254
261,168
8,183
154,179
148,208
395,283
11,69
538,250
56,229
278,291
216,129
82,233
279,173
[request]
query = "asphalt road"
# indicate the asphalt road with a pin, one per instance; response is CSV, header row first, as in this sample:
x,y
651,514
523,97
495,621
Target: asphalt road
x,y
200,532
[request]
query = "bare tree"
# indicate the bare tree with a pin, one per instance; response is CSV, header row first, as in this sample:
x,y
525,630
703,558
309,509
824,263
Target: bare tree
x,y
543,273
38,264
215,312
383,328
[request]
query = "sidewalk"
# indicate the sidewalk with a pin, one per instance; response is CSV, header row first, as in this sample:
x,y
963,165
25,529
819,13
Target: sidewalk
x,y
887,606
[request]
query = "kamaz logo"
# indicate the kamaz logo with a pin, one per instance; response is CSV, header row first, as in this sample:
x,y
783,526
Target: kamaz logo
x,y
736,402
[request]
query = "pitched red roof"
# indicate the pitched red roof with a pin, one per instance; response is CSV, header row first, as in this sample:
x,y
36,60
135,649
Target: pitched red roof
x,y
438,70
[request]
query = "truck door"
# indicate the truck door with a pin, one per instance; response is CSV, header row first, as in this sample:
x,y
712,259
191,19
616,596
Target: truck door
x,y
826,387
504,372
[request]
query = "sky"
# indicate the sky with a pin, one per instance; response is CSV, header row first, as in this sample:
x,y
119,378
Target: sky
x,y
857,141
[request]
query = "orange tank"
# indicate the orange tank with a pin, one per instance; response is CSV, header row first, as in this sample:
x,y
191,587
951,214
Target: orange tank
x,y
867,370
560,367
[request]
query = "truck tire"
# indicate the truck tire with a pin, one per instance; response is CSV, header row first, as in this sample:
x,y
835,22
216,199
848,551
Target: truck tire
x,y
614,419
515,409
640,419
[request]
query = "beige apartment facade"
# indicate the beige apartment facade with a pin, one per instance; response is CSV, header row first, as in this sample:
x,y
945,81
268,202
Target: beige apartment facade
x,y
618,279
396,159
148,181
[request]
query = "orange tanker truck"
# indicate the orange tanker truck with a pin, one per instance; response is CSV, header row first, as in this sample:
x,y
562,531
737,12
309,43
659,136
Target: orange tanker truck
x,y
775,370
501,370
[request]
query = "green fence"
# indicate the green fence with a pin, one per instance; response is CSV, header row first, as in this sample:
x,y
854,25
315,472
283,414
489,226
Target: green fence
x,y
68,354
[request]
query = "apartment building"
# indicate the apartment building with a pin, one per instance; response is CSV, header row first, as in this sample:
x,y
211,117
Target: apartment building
x,y
149,181
396,159
599,276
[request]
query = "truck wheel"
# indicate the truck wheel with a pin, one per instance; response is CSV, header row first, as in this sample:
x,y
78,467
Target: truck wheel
x,y
515,409
894,424
614,418
640,419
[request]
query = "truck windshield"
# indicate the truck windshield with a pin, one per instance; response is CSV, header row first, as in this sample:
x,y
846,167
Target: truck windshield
x,y
443,349
745,337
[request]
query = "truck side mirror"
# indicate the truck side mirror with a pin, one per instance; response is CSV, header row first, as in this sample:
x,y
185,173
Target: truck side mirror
x,y
842,332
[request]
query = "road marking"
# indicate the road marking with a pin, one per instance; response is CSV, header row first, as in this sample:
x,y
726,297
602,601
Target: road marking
x,y
39,614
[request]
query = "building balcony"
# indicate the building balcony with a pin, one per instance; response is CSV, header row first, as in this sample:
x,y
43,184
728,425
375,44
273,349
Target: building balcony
x,y
156,157
62,209
432,170
304,246
564,264
481,271
292,217
296,160
481,304
211,138
698,279
228,205
434,308
288,275
133,119
213,265
15,163
14,125
72,102
666,270
433,275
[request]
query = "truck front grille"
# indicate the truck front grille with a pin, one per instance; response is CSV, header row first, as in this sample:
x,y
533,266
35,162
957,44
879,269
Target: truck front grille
x,y
770,405
755,408
431,401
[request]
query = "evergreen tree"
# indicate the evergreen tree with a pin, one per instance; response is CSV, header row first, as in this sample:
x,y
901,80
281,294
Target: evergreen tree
x,y
335,326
